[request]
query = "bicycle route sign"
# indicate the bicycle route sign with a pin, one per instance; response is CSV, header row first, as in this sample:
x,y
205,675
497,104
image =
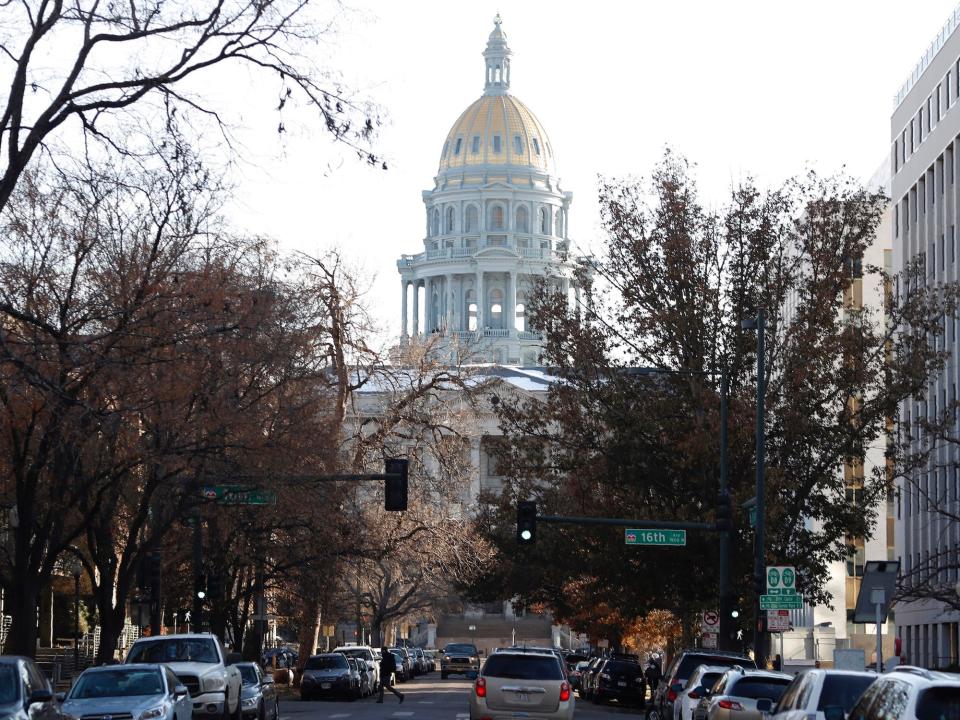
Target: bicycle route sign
x,y
781,589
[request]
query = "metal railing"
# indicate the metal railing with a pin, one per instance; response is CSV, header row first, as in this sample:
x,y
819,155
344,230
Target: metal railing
x,y
938,42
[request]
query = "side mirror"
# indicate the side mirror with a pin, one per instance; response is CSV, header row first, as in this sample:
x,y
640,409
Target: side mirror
x,y
764,705
833,712
180,691
39,696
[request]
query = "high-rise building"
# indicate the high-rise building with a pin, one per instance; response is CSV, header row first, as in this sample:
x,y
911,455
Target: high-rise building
x,y
496,221
925,139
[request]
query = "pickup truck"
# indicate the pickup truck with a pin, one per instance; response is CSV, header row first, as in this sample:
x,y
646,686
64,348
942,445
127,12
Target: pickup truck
x,y
459,658
201,663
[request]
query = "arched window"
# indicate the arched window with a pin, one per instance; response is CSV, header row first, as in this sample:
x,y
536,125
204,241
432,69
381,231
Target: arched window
x,y
449,227
496,308
520,320
435,225
496,217
544,220
470,309
523,220
472,219
560,218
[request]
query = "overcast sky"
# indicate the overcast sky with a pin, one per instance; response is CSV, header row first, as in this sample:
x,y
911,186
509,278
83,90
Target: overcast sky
x,y
740,87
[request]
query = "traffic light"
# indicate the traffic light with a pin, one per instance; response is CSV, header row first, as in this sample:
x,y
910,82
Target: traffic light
x,y
526,522
214,586
724,512
395,486
200,588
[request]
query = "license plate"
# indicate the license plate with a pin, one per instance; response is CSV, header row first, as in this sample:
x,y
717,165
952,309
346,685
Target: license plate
x,y
325,686
622,684
522,697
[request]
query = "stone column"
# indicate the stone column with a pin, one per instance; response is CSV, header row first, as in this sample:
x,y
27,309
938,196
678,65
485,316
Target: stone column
x,y
403,308
448,301
511,301
481,302
428,306
416,308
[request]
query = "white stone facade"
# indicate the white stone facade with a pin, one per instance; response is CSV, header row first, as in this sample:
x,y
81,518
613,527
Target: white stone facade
x,y
496,223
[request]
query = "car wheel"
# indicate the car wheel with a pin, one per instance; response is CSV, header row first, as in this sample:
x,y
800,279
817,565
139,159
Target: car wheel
x,y
653,714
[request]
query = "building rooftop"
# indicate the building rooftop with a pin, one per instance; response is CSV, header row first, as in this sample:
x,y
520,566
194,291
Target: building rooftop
x,y
938,42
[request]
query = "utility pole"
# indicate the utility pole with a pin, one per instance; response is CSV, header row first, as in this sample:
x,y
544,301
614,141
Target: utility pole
x,y
759,567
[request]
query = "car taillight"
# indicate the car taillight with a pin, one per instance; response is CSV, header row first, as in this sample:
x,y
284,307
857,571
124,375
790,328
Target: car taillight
x,y
564,691
693,694
481,687
730,705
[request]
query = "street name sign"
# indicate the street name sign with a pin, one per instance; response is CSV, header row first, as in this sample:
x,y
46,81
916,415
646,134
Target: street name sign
x,y
642,536
239,495
781,602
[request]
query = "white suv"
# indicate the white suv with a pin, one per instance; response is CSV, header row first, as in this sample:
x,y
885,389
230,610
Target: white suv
x,y
908,693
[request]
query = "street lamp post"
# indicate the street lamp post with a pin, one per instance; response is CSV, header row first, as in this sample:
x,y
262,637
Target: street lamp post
x,y
759,568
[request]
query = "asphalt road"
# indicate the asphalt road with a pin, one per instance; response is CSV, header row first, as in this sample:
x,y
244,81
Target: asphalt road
x,y
426,698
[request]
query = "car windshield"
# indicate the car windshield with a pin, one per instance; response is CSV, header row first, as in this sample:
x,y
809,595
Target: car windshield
x,y
760,687
709,679
690,661
623,667
9,684
248,675
843,690
522,667
460,648
117,683
200,650
939,703
326,662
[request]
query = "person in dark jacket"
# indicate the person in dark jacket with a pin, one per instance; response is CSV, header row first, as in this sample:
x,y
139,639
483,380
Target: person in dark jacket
x,y
388,666
653,674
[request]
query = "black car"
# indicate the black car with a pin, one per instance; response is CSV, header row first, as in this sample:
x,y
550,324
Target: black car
x,y
327,675
680,670
621,680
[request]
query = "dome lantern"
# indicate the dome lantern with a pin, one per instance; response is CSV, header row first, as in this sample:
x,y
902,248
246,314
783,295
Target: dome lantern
x,y
497,57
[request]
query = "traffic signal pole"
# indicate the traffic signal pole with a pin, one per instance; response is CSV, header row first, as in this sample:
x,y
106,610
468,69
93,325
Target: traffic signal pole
x,y
724,502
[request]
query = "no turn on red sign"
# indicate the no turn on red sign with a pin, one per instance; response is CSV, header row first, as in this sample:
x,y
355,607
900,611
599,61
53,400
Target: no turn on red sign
x,y
710,621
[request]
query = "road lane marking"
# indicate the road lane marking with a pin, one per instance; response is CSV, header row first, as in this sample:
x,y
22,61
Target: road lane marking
x,y
424,702
402,714
340,715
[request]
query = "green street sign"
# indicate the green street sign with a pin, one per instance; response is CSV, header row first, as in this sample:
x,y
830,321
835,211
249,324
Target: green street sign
x,y
239,495
641,536
773,577
781,602
781,591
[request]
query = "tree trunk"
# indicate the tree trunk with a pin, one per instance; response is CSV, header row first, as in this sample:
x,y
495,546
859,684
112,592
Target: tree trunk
x,y
309,627
376,632
111,625
22,638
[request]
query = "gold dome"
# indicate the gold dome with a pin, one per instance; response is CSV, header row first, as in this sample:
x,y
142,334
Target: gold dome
x,y
497,129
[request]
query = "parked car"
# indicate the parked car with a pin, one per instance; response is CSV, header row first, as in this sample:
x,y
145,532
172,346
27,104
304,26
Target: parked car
x,y
25,693
620,680
514,684
409,670
662,704
742,694
326,675
697,688
149,691
200,661
572,659
431,660
459,659
258,694
587,676
907,693
367,654
813,691
401,674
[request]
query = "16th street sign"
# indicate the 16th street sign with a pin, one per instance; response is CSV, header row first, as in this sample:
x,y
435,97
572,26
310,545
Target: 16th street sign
x,y
640,536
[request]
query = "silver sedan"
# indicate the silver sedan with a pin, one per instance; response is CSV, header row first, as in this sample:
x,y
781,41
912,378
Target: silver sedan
x,y
138,692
